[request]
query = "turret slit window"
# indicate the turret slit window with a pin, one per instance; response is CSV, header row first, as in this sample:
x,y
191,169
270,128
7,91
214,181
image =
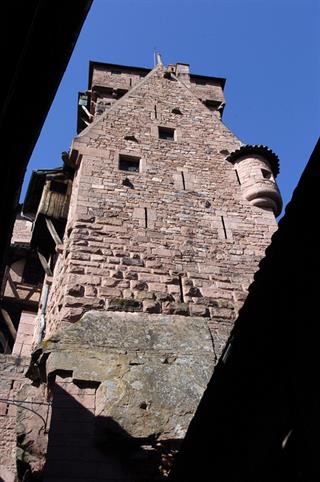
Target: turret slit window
x,y
237,175
183,181
166,133
181,289
129,163
224,227
145,218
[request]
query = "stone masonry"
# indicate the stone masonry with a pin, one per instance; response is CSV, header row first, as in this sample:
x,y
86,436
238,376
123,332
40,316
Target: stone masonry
x,y
170,215
177,237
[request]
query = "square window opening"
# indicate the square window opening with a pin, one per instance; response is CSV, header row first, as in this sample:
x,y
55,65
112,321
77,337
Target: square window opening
x,y
129,163
166,133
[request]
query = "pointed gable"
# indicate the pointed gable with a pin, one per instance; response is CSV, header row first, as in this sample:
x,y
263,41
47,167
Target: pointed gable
x,y
157,105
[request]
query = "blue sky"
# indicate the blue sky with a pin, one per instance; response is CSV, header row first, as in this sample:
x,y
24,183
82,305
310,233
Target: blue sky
x,y
268,50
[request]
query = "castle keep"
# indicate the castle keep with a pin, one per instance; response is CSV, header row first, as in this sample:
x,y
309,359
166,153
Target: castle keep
x,y
148,239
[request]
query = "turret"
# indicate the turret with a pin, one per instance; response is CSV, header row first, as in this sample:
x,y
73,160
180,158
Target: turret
x,y
256,168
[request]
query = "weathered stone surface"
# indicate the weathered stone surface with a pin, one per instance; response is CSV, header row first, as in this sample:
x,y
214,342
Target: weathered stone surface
x,y
33,422
199,310
175,308
122,304
12,371
150,306
6,475
152,369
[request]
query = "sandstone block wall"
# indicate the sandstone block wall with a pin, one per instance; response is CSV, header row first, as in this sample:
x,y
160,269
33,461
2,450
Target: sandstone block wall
x,y
177,237
25,334
12,379
124,387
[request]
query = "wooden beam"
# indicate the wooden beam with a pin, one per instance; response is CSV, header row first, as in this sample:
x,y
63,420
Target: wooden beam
x,y
53,232
87,112
12,285
8,322
44,263
31,292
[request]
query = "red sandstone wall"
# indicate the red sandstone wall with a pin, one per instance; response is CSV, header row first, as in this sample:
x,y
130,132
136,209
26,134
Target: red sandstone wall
x,y
186,260
12,378
24,339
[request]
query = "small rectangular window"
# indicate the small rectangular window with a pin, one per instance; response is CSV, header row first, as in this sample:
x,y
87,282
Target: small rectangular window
x,y
129,163
166,133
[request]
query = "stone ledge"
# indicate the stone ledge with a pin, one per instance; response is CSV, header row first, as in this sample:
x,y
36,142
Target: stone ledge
x,y
105,330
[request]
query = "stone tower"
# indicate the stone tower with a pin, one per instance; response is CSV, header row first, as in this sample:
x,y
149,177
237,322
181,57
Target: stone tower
x,y
169,217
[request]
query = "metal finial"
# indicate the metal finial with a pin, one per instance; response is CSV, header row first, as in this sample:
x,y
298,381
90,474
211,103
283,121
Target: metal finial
x,y
158,59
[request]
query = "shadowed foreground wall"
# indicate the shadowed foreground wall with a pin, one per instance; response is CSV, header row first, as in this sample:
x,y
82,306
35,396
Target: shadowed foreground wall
x,y
259,417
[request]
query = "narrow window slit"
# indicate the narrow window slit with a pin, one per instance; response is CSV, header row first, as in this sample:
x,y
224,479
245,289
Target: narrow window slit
x,y
181,289
237,174
224,227
183,181
155,112
145,218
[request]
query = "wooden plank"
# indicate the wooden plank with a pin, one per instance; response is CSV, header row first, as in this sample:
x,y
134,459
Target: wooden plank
x,y
8,322
44,263
87,112
53,232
